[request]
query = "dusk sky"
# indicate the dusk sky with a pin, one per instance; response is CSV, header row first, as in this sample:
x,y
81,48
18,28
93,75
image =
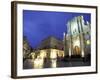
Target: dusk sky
x,y
38,25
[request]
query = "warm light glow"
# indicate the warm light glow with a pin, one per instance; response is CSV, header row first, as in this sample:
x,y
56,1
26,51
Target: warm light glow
x,y
82,53
77,50
76,43
33,55
53,53
60,53
54,63
56,53
43,53
38,62
88,42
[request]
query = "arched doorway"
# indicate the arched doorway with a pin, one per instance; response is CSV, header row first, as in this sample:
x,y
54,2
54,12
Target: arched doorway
x,y
77,50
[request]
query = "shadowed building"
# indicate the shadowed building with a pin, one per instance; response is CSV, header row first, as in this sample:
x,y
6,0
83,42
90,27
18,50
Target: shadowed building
x,y
78,38
51,42
26,48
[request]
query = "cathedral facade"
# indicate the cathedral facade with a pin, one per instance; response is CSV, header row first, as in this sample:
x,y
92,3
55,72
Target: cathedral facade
x,y
77,40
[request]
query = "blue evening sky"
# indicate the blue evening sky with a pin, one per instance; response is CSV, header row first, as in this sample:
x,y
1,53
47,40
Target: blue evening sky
x,y
38,25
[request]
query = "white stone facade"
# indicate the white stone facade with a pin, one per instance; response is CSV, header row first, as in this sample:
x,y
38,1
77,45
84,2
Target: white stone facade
x,y
77,40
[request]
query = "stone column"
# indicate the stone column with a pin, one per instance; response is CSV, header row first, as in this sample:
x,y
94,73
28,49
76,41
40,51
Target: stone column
x,y
80,27
69,39
64,42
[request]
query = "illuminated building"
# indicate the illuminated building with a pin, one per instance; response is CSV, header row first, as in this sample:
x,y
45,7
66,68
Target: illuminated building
x,y
49,50
77,40
51,47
